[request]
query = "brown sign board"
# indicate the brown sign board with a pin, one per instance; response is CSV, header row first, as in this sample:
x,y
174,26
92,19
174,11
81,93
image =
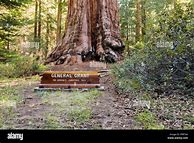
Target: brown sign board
x,y
70,79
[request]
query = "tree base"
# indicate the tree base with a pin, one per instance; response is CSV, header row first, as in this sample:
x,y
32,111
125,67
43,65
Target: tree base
x,y
92,33
108,56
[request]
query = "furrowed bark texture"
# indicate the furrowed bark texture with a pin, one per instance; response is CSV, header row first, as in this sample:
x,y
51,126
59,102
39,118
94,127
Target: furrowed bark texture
x,y
92,33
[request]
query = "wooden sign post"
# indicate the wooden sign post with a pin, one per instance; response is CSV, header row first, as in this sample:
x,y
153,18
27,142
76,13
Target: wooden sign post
x,y
70,80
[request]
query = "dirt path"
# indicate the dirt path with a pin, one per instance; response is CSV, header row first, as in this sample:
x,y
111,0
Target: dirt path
x,y
36,111
109,111
30,112
90,110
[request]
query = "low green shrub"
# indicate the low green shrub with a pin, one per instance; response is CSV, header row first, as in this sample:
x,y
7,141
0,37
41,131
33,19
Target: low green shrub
x,y
21,66
166,62
154,69
6,70
148,120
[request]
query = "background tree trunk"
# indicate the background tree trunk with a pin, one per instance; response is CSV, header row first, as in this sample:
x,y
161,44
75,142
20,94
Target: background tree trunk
x,y
138,21
59,18
143,9
36,21
92,33
39,26
39,20
46,48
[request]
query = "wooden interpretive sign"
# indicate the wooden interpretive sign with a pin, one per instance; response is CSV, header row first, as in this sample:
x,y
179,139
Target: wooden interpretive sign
x,y
70,79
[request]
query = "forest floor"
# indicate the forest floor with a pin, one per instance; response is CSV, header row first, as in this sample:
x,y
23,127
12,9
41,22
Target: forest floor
x,y
23,108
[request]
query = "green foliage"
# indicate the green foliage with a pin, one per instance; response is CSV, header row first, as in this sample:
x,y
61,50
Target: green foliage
x,y
189,118
139,45
13,3
148,120
5,115
6,70
127,74
11,20
80,115
72,105
127,14
149,18
17,66
9,98
38,68
17,21
8,54
9,95
23,66
52,122
165,68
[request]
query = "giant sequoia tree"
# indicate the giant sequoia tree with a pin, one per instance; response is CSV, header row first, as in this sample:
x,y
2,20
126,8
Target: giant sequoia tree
x,y
91,33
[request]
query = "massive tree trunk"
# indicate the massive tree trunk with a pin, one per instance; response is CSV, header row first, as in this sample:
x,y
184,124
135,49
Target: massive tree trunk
x,y
92,33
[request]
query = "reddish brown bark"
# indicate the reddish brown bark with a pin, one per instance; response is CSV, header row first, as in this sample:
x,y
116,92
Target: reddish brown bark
x,y
92,33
